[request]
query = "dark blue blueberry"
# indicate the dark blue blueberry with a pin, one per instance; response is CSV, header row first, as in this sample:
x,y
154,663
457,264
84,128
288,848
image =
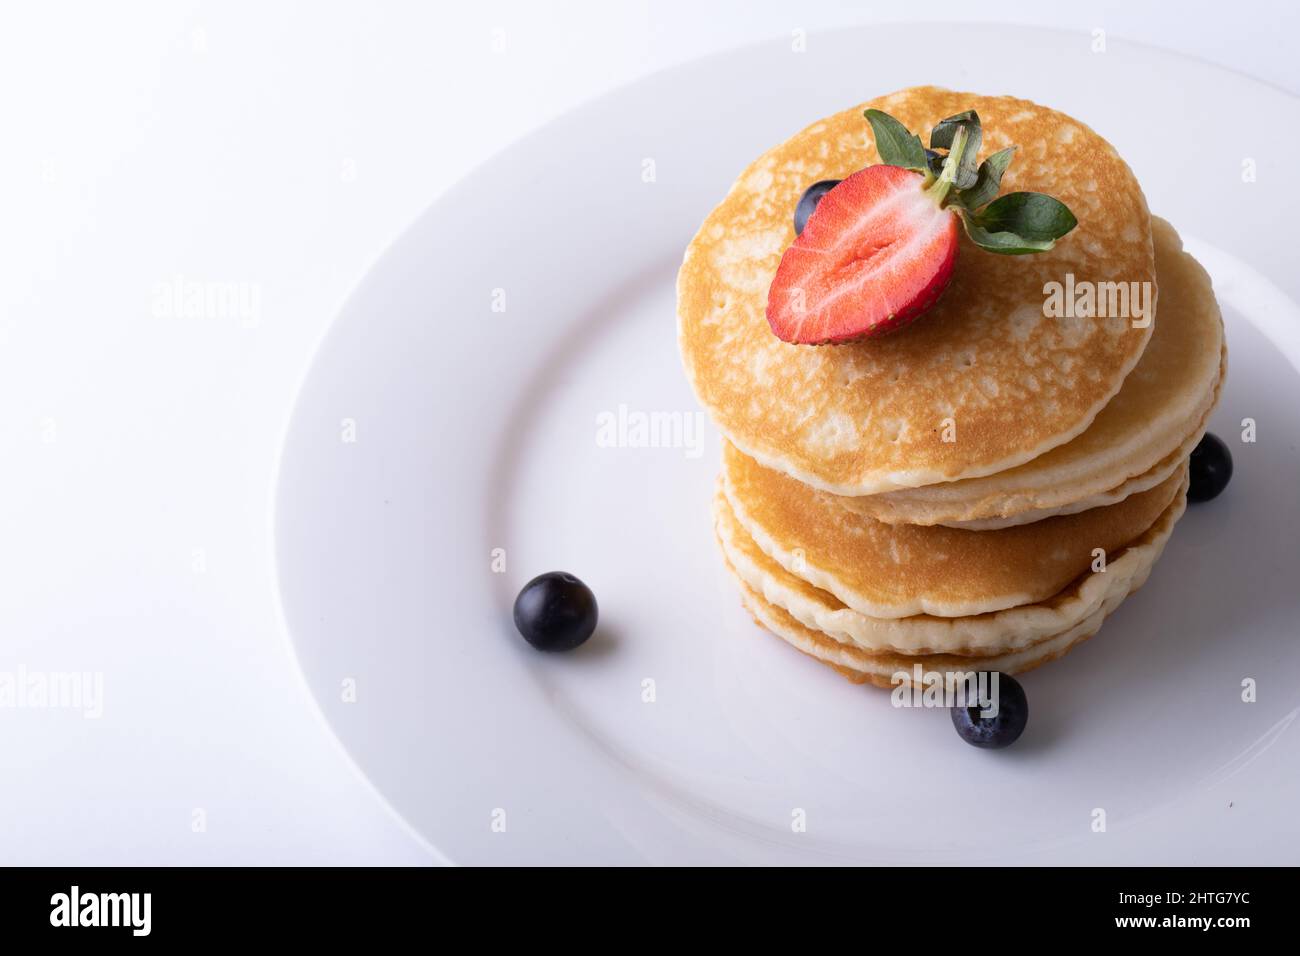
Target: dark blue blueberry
x,y
809,200
555,612
1002,730
1211,469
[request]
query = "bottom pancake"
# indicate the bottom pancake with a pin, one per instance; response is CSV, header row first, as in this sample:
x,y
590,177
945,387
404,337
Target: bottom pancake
x,y
981,635
899,571
889,670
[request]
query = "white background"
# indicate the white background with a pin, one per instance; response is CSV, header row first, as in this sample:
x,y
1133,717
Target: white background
x,y
283,146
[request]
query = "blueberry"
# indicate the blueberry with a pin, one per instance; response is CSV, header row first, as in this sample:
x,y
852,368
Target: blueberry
x,y
555,612
1001,730
1211,469
809,200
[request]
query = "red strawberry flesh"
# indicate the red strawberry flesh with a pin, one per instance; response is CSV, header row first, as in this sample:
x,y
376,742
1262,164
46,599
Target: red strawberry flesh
x,y
876,253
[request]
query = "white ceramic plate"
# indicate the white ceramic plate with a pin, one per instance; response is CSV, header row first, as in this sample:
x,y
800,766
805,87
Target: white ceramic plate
x,y
477,430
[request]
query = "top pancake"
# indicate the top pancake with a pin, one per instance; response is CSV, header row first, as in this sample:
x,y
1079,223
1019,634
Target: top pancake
x,y
869,417
1134,443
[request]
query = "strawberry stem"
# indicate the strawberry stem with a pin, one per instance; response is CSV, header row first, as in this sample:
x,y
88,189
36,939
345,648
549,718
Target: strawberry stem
x,y
948,176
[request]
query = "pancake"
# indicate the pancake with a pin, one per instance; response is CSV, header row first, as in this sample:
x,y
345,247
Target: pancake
x,y
981,635
1132,486
1133,444
861,666
894,571
869,417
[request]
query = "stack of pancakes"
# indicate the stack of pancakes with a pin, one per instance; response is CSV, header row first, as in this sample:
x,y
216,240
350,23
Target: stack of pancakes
x,y
978,490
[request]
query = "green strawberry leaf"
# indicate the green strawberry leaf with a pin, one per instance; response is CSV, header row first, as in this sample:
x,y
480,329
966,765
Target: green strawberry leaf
x,y
1004,243
895,143
943,132
989,179
1033,216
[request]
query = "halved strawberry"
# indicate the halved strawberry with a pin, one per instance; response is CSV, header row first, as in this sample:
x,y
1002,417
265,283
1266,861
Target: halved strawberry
x,y
879,248
875,254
